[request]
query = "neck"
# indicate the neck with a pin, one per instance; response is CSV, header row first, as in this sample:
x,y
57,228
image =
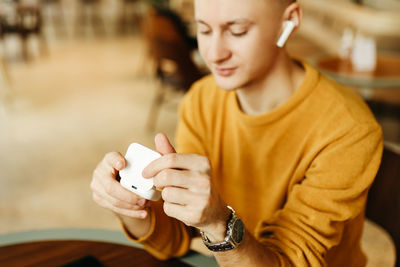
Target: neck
x,y
274,89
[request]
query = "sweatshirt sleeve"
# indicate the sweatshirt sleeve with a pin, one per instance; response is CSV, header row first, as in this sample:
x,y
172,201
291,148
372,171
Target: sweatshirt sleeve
x,y
190,134
169,237
332,194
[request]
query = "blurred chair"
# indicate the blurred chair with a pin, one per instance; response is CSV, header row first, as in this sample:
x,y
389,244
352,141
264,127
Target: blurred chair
x,y
89,13
383,206
325,21
129,16
24,20
377,245
52,10
171,52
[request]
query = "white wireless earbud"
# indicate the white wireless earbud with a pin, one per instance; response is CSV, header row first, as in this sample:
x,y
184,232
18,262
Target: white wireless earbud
x,y
287,30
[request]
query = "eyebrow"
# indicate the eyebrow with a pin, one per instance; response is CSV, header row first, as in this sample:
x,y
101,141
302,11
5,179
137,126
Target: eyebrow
x,y
229,23
239,21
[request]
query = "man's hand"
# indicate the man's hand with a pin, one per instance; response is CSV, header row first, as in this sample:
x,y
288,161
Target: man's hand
x,y
108,193
187,190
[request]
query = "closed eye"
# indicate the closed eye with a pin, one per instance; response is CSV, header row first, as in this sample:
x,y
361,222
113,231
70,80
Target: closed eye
x,y
203,28
238,34
238,29
204,32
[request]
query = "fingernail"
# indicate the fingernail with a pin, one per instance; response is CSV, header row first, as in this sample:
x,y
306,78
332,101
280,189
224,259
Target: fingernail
x,y
143,214
118,165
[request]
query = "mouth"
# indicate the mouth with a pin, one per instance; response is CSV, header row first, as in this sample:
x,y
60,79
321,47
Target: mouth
x,y
225,72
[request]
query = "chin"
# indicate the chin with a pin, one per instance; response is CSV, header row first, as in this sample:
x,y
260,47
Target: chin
x,y
228,83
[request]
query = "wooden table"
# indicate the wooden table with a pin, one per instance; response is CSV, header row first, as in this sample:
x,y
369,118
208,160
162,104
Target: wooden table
x,y
59,253
58,247
382,84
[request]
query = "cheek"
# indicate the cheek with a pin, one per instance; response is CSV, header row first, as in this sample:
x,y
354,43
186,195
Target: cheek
x,y
260,62
256,55
251,50
202,45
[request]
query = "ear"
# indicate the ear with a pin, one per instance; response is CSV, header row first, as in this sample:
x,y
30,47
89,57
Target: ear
x,y
291,20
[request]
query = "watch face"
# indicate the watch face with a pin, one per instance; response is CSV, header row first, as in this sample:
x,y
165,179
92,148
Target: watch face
x,y
238,231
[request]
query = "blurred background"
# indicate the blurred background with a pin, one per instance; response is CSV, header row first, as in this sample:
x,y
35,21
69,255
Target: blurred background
x,y
80,78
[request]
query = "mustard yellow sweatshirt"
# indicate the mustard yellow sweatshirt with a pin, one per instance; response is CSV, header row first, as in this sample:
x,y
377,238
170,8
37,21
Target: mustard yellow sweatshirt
x,y
297,176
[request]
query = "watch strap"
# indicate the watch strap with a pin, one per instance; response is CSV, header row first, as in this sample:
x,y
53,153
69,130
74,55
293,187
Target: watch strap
x,y
228,243
218,247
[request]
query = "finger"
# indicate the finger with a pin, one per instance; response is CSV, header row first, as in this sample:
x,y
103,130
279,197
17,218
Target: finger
x,y
115,160
179,212
180,196
102,198
142,213
191,162
172,177
193,181
140,204
163,145
114,189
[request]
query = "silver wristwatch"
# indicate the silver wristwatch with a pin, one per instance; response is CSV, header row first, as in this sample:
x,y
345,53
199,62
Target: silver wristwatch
x,y
234,235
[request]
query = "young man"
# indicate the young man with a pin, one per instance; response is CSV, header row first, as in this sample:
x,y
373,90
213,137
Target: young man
x,y
291,152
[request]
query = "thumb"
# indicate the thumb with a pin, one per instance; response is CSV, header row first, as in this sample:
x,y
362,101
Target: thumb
x,y
163,145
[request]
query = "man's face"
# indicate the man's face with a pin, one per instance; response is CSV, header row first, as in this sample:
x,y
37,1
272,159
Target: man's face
x,y
237,39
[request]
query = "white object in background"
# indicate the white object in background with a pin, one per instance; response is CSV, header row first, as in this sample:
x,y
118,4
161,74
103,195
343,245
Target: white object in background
x,y
346,44
287,30
363,56
137,158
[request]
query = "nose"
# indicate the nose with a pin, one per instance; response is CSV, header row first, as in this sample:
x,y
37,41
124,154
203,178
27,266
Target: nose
x,y
218,50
